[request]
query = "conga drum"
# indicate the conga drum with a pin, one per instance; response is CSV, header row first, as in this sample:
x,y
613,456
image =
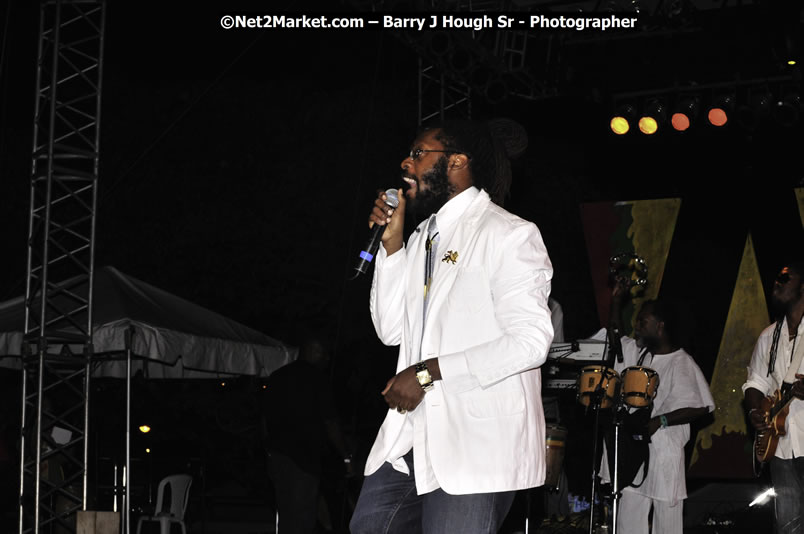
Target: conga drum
x,y
639,386
556,440
598,378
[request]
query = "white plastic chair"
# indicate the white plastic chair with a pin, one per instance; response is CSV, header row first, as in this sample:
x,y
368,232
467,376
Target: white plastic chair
x,y
179,495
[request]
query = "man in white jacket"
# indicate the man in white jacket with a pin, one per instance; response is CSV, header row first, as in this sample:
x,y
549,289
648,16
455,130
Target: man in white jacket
x,y
466,301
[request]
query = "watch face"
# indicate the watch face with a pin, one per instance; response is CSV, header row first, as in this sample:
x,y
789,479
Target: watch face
x,y
424,377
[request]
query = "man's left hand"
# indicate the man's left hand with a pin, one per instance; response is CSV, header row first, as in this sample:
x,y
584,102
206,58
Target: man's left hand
x,y
403,391
798,386
653,425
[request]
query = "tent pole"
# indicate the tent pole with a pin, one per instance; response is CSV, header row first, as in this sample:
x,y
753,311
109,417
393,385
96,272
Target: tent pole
x,y
127,474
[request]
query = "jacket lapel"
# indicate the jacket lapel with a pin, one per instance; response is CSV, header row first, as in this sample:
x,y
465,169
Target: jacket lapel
x,y
445,272
414,292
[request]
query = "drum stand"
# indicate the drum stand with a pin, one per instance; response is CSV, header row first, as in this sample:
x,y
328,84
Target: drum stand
x,y
615,487
615,351
597,399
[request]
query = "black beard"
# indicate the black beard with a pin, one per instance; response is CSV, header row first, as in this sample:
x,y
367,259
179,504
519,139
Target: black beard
x,y
437,194
778,307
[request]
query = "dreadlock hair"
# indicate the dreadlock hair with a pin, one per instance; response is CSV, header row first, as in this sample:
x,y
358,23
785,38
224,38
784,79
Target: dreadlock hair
x,y
490,147
798,267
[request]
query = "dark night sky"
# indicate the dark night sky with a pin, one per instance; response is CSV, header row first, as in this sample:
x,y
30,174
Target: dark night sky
x,y
237,166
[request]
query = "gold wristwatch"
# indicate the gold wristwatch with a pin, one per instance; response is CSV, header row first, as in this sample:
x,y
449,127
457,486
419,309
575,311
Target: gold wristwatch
x,y
424,377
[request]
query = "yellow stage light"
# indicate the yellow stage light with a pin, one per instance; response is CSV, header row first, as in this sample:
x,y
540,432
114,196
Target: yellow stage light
x,y
621,122
654,115
619,125
648,125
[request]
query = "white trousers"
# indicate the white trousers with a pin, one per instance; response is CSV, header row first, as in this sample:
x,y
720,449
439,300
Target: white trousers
x,y
632,516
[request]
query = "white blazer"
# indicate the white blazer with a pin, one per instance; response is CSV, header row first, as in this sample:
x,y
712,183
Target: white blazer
x,y
489,325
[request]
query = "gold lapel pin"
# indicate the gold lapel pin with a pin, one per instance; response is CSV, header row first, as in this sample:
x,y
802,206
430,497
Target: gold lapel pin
x,y
450,257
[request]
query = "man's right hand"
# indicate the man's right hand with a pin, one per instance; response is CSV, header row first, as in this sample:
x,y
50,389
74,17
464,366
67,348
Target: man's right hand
x,y
620,289
393,219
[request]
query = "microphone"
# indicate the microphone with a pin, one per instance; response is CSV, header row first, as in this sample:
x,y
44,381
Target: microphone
x,y
616,346
368,252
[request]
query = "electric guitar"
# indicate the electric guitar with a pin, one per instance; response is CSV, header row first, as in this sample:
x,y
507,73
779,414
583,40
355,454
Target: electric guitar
x,y
777,406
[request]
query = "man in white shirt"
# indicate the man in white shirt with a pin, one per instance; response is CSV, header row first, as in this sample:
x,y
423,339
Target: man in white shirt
x,y
681,397
466,300
778,347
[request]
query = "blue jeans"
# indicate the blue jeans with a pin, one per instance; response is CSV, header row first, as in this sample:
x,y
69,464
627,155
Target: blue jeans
x,y
388,504
788,482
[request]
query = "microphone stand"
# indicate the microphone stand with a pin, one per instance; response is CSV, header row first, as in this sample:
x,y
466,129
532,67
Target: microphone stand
x,y
615,487
597,399
616,351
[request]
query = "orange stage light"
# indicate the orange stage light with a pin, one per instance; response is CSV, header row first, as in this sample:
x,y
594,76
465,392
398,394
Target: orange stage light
x,y
718,117
680,121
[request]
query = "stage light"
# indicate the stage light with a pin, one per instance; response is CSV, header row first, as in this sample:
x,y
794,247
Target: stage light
x,y
620,124
763,497
791,62
685,112
144,429
654,115
680,122
750,115
787,110
720,110
648,125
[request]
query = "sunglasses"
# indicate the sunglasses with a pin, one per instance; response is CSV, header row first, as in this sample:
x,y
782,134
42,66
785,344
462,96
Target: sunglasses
x,y
417,152
783,278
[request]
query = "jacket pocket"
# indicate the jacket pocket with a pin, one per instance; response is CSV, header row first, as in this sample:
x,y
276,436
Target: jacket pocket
x,y
470,292
491,405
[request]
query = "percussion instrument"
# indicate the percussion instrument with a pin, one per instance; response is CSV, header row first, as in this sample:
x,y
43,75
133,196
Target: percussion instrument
x,y
556,440
598,378
639,385
630,268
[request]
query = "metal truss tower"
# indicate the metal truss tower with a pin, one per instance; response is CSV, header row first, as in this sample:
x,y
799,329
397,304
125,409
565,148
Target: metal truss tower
x,y
454,67
61,238
440,97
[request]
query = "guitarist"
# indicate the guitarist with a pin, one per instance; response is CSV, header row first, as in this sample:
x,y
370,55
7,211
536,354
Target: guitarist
x,y
777,348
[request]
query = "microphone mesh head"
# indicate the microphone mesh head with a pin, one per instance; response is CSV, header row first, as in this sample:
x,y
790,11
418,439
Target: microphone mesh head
x,y
392,198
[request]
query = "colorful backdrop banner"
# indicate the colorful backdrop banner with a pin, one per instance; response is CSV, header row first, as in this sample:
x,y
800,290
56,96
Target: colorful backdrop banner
x,y
723,449
641,227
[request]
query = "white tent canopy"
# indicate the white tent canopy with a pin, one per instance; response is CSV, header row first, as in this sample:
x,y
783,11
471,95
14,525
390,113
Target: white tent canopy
x,y
170,337
140,328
